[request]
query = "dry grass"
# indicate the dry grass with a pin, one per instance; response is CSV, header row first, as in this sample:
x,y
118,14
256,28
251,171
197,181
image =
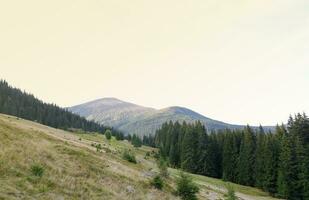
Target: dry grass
x,y
73,169
70,171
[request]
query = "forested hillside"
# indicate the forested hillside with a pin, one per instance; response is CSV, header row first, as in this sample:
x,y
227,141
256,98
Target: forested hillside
x,y
21,104
275,162
39,162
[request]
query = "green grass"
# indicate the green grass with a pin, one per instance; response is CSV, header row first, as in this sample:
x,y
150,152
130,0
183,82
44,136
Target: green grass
x,y
74,169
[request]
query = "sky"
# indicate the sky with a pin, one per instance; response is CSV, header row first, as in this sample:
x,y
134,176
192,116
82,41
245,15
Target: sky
x,y
242,62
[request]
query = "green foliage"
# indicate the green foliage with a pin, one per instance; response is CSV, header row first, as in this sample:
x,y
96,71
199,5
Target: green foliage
x,y
157,182
21,104
129,156
148,140
98,147
118,135
246,159
136,141
189,156
275,162
162,165
37,170
229,157
108,134
230,193
186,189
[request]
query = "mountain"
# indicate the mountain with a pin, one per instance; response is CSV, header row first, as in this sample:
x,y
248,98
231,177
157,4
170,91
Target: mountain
x,y
131,118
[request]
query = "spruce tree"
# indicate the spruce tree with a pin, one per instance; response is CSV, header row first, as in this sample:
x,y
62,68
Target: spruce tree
x,y
271,159
229,158
246,158
260,158
188,152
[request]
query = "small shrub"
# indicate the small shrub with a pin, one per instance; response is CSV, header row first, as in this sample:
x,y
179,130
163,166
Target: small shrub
x,y
37,170
156,155
162,164
157,182
230,193
129,156
98,147
147,155
108,134
186,189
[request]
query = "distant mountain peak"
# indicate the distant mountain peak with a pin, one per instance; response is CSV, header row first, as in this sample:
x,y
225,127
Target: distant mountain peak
x,y
131,118
108,100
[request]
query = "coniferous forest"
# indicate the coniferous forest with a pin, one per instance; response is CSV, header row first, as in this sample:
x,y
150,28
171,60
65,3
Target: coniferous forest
x,y
275,162
21,104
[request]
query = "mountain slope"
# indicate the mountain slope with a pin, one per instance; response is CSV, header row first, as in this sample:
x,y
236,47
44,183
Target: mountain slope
x,y
131,118
15,102
74,169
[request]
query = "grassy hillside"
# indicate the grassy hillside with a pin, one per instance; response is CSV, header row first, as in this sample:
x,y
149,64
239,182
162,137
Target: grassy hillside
x,y
134,119
74,169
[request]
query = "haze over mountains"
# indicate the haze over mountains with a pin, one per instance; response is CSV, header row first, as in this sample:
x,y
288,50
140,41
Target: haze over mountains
x,y
131,118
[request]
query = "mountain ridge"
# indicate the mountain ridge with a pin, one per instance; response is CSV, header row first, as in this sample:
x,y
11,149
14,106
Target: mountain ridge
x,y
132,118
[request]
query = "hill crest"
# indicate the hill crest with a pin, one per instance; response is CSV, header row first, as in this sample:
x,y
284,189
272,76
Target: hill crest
x,y
131,118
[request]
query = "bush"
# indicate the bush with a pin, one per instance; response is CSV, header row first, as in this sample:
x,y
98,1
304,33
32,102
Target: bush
x,y
186,189
162,164
157,182
129,156
230,193
108,134
136,141
37,170
97,146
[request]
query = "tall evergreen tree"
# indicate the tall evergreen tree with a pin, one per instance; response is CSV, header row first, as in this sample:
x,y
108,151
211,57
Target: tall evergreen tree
x,y
188,152
287,175
246,158
260,158
229,158
271,159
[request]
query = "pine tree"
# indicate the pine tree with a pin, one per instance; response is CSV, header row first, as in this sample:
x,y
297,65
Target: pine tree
x,y
174,153
287,172
271,159
108,134
189,144
229,158
260,158
15,102
136,141
246,158
203,162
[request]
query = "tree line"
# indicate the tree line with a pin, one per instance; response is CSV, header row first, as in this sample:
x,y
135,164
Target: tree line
x,y
276,162
15,102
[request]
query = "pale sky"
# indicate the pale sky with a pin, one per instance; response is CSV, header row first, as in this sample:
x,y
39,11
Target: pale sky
x,y
241,61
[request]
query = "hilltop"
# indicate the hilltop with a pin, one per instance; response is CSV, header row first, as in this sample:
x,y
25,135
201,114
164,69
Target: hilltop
x,y
132,118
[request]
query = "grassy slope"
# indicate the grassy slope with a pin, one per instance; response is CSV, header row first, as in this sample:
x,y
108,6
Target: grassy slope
x,y
75,170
